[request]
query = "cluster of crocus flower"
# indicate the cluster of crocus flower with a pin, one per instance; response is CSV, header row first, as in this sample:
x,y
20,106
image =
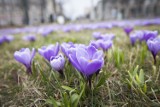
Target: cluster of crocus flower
x,y
50,53
142,35
46,30
88,60
104,41
151,39
6,38
154,47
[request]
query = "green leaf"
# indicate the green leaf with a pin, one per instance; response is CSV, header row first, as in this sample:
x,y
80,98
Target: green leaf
x,y
42,74
130,75
101,81
154,70
34,69
129,83
141,76
67,88
145,88
75,100
137,82
66,100
53,102
135,70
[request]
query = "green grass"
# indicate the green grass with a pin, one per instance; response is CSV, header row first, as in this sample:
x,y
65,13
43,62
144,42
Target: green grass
x,y
129,77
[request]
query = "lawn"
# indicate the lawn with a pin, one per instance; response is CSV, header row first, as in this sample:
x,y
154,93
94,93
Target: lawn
x,y
129,77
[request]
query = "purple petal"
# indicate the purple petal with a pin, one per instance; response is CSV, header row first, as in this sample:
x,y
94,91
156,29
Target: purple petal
x,y
93,67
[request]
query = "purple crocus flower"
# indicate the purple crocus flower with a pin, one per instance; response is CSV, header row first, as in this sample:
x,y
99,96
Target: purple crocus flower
x,y
149,34
8,38
137,35
128,30
87,60
133,38
25,56
108,36
57,63
105,45
29,38
48,51
96,35
154,47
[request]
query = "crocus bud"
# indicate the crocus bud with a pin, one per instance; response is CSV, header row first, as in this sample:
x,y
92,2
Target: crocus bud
x,y
57,63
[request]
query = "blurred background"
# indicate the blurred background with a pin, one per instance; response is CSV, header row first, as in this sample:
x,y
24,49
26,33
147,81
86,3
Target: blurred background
x,y
34,12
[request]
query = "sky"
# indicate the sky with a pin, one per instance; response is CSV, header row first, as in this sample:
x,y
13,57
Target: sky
x,y
76,8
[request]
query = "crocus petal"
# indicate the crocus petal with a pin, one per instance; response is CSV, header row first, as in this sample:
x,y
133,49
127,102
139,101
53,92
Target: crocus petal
x,y
83,62
98,55
93,67
21,58
24,56
81,52
33,53
74,60
57,48
91,50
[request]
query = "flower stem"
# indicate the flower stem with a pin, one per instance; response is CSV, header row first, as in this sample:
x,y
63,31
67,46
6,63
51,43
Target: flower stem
x,y
155,61
97,72
154,57
89,81
29,70
61,73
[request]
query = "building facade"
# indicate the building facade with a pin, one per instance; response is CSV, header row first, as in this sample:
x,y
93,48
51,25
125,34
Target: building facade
x,y
19,12
126,9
